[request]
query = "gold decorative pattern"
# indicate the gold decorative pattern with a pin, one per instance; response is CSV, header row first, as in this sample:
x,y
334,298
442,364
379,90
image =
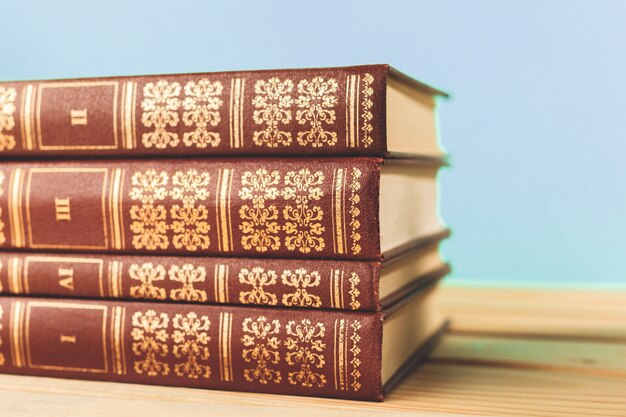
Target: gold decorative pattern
x,y
190,187
1,288
201,105
316,101
261,348
191,341
149,227
258,279
160,111
149,186
2,359
302,220
187,275
272,103
2,236
355,350
359,115
354,291
366,110
7,120
147,274
355,211
301,279
258,222
346,354
149,224
149,335
306,351
225,348
190,225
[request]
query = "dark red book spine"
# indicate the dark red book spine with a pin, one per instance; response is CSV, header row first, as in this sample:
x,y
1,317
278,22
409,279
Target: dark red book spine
x,y
304,208
349,285
282,351
317,112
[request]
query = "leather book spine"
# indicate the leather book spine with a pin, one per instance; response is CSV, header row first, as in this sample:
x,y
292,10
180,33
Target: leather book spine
x,y
278,208
347,285
280,351
315,112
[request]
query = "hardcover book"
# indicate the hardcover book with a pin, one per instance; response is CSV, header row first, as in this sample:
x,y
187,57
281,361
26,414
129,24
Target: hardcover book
x,y
370,110
319,284
333,208
329,353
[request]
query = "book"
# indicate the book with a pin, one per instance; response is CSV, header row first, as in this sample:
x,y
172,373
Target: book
x,y
325,284
371,110
332,208
328,353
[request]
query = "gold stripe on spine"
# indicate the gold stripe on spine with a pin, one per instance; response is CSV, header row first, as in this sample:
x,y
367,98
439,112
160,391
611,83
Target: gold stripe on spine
x,y
341,291
357,101
115,287
221,283
123,116
338,215
127,115
119,202
129,92
237,86
17,334
118,282
112,342
222,209
241,107
122,343
115,198
336,288
118,340
26,117
16,217
352,140
225,349
14,273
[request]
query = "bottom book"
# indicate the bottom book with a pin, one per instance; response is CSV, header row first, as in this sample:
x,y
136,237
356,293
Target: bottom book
x,y
352,355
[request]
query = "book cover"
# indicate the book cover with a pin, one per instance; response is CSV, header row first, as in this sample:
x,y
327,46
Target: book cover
x,y
313,208
282,351
317,112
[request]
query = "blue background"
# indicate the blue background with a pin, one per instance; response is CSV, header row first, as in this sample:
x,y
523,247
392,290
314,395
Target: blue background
x,y
536,128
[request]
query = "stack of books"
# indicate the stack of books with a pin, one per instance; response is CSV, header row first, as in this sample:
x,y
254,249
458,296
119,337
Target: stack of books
x,y
266,231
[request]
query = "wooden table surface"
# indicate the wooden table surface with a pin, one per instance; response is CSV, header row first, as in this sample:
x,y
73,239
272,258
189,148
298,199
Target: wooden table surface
x,y
508,353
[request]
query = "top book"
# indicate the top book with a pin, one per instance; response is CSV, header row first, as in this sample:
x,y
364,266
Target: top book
x,y
370,110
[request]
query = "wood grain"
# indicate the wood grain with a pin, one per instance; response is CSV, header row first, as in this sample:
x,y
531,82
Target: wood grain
x,y
509,353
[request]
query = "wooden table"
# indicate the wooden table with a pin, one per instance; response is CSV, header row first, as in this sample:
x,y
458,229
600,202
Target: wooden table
x,y
508,353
